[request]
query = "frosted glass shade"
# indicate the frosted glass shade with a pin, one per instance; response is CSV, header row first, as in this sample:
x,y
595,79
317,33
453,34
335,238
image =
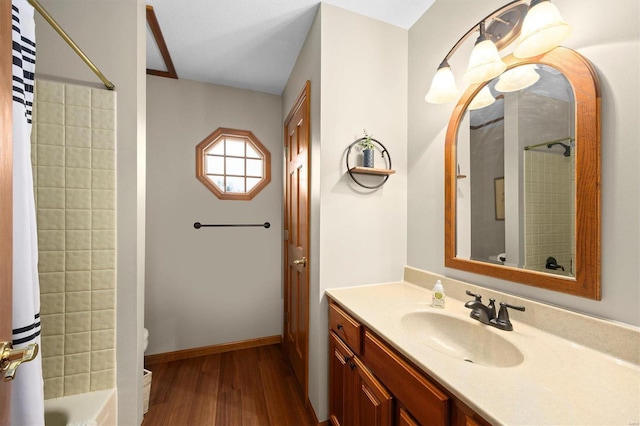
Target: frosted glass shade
x,y
482,99
484,64
443,87
517,78
543,29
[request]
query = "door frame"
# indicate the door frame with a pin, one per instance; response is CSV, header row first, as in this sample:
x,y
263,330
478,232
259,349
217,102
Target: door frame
x,y
6,194
303,96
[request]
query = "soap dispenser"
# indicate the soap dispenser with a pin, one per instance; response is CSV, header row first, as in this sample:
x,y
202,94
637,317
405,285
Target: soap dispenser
x,y
437,295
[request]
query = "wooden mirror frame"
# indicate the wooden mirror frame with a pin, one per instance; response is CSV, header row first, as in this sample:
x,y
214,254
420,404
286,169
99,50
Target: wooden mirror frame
x,y
586,88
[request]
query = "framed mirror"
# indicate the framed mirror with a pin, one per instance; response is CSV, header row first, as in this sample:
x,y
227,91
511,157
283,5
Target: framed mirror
x,y
522,176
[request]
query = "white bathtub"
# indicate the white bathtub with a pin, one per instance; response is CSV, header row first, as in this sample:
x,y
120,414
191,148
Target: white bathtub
x,y
86,409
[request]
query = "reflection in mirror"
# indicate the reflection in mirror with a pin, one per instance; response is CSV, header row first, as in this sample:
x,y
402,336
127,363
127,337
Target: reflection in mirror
x,y
522,175
516,204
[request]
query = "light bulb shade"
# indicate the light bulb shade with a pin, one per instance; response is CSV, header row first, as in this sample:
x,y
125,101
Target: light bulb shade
x,y
517,78
483,98
443,87
484,64
543,29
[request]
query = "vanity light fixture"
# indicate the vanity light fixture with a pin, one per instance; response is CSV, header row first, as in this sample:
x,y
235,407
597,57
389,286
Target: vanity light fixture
x,y
517,78
443,89
485,62
484,98
542,30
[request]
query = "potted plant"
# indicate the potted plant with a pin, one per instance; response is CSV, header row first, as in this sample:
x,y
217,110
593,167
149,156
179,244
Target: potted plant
x,y
367,147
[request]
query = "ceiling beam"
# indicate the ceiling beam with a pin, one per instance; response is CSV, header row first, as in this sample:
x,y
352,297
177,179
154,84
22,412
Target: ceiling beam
x,y
162,46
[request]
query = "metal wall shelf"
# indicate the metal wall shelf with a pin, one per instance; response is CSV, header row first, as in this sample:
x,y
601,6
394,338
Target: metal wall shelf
x,y
371,171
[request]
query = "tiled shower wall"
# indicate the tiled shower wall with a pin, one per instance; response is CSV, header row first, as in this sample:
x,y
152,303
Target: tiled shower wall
x,y
73,155
549,209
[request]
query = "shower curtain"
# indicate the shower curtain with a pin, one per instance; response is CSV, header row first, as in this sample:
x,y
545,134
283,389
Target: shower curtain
x,y
27,396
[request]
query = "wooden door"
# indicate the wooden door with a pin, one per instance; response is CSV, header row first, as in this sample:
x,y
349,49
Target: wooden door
x,y
6,196
342,382
296,253
374,402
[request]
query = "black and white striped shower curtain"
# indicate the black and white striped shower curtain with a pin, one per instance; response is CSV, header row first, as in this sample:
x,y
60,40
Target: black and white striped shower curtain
x,y
27,396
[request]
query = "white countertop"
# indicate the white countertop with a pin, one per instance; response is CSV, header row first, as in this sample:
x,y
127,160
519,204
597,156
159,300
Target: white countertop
x,y
558,383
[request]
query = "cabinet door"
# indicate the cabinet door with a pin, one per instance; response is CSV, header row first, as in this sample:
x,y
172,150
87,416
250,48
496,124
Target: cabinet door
x,y
403,418
342,383
426,402
374,402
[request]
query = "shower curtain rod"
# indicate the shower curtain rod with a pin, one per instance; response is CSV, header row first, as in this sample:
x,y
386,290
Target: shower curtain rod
x,y
526,148
37,6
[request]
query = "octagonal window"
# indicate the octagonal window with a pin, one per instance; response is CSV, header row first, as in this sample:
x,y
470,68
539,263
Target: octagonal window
x,y
233,164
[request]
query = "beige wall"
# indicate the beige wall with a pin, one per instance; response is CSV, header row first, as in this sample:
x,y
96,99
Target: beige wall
x,y
358,237
212,285
614,49
113,35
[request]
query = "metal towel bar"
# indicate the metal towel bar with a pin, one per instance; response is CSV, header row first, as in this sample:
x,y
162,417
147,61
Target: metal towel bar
x,y
199,225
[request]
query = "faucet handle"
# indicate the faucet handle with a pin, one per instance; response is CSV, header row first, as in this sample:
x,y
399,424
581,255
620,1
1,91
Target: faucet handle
x,y
477,296
503,322
492,308
506,305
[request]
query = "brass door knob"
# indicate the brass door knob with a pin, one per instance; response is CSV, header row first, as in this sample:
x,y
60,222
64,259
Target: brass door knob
x,y
302,261
10,359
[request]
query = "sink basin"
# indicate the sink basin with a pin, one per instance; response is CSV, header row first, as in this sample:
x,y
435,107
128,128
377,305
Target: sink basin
x,y
469,341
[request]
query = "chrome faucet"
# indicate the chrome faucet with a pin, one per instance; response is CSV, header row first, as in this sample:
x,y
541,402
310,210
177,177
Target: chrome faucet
x,y
487,314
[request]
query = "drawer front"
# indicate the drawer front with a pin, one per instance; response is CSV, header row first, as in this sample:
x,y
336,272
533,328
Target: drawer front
x,y
426,403
348,329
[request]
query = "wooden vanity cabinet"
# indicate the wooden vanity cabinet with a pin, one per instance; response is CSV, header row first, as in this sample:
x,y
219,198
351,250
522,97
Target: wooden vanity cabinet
x,y
371,384
356,396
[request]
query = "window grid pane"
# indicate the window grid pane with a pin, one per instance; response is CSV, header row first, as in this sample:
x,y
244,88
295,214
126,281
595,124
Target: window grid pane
x,y
252,182
252,153
235,184
218,181
217,148
254,168
215,165
235,166
235,148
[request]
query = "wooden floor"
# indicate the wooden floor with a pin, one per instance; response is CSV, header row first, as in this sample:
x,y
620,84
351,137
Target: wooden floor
x,y
246,387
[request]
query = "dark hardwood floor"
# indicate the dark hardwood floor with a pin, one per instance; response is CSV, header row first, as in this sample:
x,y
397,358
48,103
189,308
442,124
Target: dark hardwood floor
x,y
245,387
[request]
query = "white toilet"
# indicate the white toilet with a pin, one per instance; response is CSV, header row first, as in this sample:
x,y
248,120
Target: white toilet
x,y
145,339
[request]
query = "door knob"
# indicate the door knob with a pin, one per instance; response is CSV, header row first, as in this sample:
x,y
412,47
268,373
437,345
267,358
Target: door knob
x,y
11,358
302,261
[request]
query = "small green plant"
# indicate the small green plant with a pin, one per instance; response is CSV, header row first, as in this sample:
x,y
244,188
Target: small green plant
x,y
366,142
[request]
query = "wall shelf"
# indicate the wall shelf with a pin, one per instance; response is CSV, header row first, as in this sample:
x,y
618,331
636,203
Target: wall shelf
x,y
371,171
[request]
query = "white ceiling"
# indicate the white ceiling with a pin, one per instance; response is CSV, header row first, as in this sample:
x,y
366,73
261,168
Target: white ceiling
x,y
252,44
